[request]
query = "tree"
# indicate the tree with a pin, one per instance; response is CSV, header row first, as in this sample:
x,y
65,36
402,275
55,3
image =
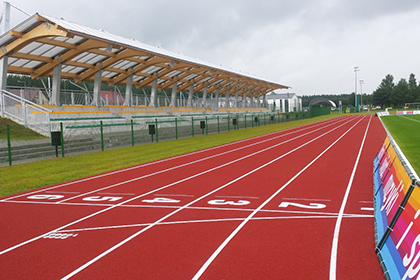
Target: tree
x,y
399,94
413,89
381,96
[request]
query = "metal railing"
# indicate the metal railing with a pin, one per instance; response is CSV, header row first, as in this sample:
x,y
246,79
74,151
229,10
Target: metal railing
x,y
25,112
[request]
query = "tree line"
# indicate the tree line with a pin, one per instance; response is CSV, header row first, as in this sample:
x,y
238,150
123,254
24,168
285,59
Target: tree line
x,y
389,94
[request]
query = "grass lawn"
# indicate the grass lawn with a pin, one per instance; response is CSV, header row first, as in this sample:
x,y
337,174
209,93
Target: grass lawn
x,y
406,132
22,177
17,131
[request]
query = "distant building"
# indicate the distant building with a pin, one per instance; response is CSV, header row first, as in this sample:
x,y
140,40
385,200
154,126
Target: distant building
x,y
284,102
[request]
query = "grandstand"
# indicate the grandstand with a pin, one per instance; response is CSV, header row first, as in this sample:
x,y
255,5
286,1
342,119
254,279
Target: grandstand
x,y
44,46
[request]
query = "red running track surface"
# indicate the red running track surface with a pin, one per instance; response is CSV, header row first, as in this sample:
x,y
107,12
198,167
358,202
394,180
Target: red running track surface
x,y
295,204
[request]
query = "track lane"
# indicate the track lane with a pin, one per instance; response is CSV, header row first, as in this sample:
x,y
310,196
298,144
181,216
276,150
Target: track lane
x,y
199,210
94,264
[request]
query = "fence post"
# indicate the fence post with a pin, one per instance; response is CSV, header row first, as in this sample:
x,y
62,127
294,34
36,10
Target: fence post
x,y
156,127
207,127
218,125
132,133
192,126
245,120
9,149
102,137
62,139
228,120
176,128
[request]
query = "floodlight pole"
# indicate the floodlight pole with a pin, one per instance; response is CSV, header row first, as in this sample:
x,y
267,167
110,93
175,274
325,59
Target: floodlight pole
x,y
356,69
361,93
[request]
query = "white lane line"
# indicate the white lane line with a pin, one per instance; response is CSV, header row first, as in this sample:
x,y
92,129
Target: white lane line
x,y
117,193
182,195
334,249
61,192
240,197
306,199
206,221
233,234
366,208
288,132
161,188
194,201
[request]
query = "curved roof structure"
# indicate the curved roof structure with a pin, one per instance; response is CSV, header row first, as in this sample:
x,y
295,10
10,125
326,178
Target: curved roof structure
x,y
324,101
37,45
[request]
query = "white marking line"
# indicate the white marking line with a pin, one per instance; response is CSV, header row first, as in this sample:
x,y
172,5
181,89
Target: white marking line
x,y
410,119
193,162
208,221
289,132
367,209
334,249
182,195
118,193
232,235
307,199
227,196
371,202
60,192
164,187
196,200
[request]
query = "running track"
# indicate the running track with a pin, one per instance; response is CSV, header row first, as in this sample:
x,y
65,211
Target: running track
x,y
295,204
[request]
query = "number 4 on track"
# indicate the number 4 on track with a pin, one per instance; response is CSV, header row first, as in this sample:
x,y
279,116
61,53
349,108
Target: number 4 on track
x,y
286,204
161,200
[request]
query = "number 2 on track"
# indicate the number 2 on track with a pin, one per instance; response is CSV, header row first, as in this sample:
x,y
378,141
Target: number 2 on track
x,y
285,204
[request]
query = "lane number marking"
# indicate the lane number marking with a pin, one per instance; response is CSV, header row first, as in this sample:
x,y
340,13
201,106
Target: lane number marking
x,y
46,196
103,198
228,202
311,205
161,200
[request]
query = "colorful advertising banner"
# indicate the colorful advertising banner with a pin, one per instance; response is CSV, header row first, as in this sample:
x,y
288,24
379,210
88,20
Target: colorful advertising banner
x,y
397,207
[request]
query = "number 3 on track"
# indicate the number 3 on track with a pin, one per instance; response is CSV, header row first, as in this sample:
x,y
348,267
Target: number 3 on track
x,y
228,202
285,204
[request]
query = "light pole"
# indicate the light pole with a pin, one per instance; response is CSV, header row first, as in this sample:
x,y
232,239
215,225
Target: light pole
x,y
361,93
356,105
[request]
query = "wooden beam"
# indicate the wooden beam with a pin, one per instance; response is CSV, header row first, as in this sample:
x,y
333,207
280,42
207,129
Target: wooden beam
x,y
83,47
41,31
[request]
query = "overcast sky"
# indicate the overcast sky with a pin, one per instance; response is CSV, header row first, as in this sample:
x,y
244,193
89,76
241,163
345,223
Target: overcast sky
x,y
312,46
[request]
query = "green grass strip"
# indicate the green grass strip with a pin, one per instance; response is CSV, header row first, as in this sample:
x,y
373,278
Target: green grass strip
x,y
406,132
28,176
17,131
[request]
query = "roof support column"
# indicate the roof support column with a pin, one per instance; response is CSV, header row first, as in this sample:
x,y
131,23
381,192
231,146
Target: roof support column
x,y
205,96
3,72
3,81
173,95
265,100
217,98
227,98
128,91
190,96
153,94
237,99
252,100
258,100
283,105
97,89
244,99
56,85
